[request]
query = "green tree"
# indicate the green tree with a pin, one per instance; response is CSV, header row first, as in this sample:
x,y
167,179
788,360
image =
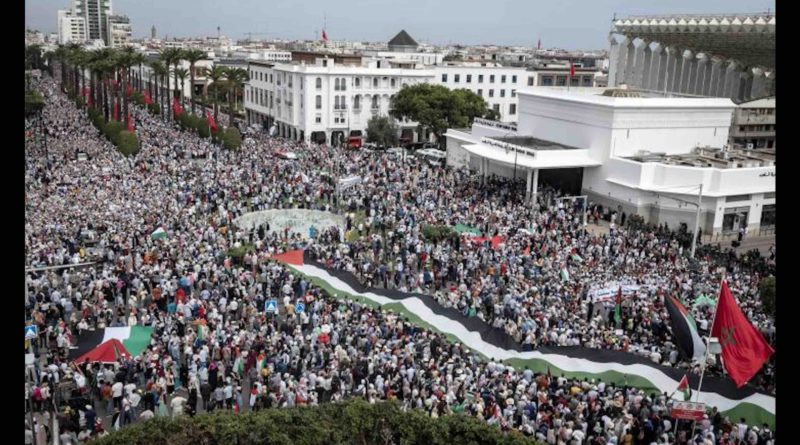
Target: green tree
x,y
767,292
236,77
33,57
382,130
437,108
181,74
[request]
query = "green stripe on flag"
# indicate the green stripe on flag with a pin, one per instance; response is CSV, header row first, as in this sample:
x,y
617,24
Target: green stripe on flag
x,y
138,340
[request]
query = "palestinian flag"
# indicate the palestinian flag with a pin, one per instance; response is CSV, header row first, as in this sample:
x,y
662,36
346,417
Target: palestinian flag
x,y
564,273
135,339
684,330
683,387
159,233
618,307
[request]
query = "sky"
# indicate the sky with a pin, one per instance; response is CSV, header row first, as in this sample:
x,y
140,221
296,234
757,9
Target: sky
x,y
567,24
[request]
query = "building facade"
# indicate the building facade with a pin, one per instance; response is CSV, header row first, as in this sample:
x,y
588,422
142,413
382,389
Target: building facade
x,y
71,28
96,13
496,84
327,102
754,124
119,31
631,151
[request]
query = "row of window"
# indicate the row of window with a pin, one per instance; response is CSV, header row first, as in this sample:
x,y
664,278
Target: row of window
x,y
746,128
479,92
468,78
340,102
561,81
340,83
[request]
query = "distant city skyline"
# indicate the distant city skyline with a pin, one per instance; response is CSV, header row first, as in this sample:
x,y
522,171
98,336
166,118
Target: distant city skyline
x,y
567,24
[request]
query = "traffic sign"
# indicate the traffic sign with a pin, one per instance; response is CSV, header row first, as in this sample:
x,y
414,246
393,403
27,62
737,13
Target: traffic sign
x,y
688,410
31,332
271,306
299,307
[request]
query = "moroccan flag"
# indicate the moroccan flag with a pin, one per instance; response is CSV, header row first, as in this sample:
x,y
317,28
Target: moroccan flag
x,y
212,124
130,90
571,70
130,123
116,110
324,35
618,307
147,99
176,107
689,343
744,350
683,387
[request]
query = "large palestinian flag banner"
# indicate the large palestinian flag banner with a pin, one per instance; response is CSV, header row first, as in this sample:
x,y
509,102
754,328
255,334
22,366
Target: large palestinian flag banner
x,y
135,340
684,330
616,367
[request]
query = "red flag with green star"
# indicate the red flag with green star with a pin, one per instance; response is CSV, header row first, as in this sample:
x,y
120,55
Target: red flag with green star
x,y
744,350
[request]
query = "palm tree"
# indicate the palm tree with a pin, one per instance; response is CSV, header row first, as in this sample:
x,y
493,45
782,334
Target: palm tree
x,y
159,71
168,56
139,59
193,56
215,74
125,62
236,78
61,55
181,74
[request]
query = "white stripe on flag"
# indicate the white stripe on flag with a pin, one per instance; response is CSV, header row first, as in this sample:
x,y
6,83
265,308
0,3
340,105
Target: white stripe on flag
x,y
120,334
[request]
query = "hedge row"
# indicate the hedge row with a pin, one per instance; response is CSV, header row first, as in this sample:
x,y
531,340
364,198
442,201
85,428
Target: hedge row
x,y
125,141
352,422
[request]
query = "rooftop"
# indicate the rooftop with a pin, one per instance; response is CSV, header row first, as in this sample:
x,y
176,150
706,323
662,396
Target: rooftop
x,y
708,157
532,143
402,39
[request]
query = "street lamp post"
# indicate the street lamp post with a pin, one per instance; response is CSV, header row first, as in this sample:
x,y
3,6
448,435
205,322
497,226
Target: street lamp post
x,y
696,218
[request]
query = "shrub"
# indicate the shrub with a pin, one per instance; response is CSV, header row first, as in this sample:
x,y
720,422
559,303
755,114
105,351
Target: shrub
x,y
112,131
766,291
34,102
232,139
127,143
154,108
80,102
138,98
203,130
354,421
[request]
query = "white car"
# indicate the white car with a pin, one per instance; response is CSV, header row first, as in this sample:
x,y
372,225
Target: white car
x,y
434,158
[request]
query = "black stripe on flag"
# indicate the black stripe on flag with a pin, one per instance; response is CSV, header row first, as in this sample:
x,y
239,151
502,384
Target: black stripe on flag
x,y
682,330
87,341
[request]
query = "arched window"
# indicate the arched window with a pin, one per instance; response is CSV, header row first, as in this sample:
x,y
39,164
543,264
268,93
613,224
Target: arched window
x,y
319,83
393,83
375,99
336,99
319,102
358,82
344,84
336,84
375,82
357,102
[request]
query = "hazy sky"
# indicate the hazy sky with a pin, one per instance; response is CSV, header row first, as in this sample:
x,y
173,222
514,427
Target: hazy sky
x,y
569,24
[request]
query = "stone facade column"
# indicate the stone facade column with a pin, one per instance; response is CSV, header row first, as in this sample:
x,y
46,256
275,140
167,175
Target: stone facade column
x,y
694,74
673,69
528,185
658,69
686,69
769,83
747,88
622,60
638,65
647,64
704,87
759,82
613,57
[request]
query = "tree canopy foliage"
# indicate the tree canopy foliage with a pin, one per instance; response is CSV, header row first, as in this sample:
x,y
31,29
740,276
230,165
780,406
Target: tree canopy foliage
x,y
438,108
382,130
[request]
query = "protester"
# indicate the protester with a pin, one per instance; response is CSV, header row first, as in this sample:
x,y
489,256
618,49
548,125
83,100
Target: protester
x,y
531,274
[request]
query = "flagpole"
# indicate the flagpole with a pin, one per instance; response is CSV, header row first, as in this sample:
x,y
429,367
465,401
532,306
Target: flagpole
x,y
708,352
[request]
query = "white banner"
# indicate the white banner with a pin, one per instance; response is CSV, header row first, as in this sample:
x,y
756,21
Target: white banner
x,y
610,293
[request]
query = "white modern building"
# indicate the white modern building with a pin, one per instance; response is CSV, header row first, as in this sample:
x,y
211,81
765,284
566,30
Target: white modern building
x,y
636,152
71,28
119,31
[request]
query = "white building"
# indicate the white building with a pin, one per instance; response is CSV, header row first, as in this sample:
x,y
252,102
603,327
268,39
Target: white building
x,y
326,101
636,152
71,28
496,84
119,31
96,13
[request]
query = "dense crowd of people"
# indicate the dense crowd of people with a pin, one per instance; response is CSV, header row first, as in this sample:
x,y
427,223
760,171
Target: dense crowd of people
x,y
214,347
